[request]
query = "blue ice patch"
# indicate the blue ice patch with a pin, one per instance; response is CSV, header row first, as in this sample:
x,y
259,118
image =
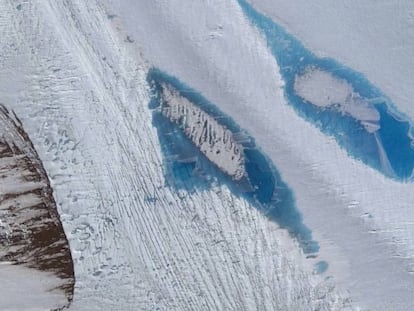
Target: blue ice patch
x,y
321,267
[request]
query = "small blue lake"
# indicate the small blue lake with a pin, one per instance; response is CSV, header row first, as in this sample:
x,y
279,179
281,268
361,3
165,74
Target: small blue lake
x,y
389,149
186,167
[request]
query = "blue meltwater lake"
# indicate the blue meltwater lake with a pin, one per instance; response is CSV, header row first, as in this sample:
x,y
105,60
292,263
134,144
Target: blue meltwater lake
x,y
341,102
189,166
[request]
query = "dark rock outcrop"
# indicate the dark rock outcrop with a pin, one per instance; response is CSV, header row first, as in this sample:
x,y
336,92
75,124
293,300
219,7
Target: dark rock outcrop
x,y
31,233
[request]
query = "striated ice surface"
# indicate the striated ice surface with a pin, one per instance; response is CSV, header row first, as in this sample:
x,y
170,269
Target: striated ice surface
x,y
361,219
81,91
76,74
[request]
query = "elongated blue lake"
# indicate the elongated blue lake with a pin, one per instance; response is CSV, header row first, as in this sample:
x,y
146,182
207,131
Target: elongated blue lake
x,y
341,102
189,165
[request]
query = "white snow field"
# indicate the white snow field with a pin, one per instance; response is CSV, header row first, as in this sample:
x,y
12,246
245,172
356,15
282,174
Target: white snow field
x,y
75,73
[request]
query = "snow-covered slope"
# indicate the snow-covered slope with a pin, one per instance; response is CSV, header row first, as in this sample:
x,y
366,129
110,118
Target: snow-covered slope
x,y
78,82
36,267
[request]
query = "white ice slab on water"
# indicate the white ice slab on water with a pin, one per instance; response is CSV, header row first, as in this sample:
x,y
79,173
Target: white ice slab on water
x,y
320,88
214,140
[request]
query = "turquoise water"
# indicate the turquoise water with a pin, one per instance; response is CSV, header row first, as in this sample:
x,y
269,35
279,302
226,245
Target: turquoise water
x,y
395,128
321,267
187,168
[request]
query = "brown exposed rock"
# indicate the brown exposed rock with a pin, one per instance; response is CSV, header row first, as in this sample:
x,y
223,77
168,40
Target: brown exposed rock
x,y
31,233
